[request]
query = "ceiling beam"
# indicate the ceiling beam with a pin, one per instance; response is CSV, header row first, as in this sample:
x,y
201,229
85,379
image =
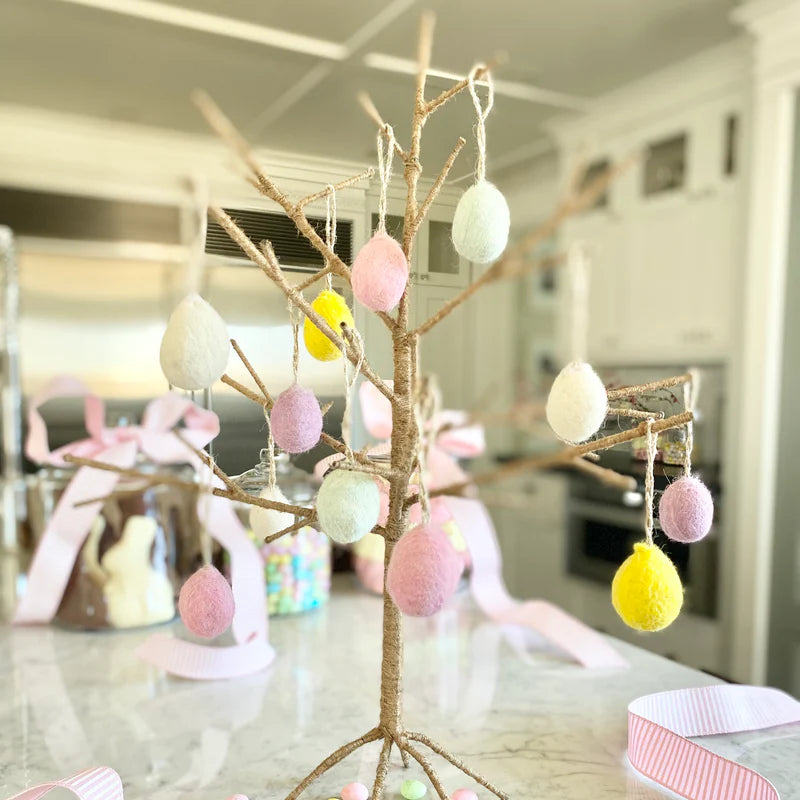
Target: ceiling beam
x,y
219,25
352,47
519,91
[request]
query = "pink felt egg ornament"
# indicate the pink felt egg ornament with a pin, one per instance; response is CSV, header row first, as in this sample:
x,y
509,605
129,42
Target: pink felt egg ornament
x,y
686,510
296,420
424,571
206,603
380,273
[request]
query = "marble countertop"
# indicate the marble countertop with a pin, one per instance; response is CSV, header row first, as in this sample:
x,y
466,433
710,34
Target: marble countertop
x,y
536,724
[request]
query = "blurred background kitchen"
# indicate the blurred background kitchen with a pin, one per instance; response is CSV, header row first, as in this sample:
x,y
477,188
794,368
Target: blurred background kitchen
x,y
693,249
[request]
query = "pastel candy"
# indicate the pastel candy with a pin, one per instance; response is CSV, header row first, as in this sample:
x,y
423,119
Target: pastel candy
x,y
413,790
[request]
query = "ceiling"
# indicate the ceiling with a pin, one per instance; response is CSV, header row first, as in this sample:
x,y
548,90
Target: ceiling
x,y
77,56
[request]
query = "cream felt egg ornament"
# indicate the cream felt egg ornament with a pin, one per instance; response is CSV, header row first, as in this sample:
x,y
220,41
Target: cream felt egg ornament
x,y
332,307
266,522
646,591
195,346
481,223
380,273
424,571
577,403
348,505
296,420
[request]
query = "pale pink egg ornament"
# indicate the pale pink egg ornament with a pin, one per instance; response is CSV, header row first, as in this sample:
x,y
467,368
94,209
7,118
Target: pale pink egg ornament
x,y
380,273
296,420
424,571
463,794
686,510
206,603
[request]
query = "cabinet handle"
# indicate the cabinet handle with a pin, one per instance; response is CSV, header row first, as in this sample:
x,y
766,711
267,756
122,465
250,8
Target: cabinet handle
x,y
424,277
702,194
697,335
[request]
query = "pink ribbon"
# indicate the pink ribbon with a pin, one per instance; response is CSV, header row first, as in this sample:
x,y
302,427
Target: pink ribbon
x,y
658,747
68,527
98,783
585,645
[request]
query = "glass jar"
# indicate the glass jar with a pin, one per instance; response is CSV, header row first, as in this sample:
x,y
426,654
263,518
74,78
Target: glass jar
x,y
140,548
297,567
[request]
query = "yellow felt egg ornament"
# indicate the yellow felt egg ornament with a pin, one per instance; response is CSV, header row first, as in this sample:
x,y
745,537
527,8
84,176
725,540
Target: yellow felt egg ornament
x,y
646,591
332,307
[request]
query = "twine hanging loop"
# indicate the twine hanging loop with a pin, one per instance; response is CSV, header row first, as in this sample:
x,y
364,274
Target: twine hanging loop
x,y
482,113
385,138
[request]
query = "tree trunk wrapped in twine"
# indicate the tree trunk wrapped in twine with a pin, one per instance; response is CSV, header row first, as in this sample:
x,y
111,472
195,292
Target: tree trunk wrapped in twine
x,y
405,392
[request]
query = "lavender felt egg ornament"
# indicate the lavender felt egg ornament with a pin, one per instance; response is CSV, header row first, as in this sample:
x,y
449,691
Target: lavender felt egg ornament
x,y
686,510
206,603
577,403
348,505
265,522
195,346
481,223
380,273
296,420
424,571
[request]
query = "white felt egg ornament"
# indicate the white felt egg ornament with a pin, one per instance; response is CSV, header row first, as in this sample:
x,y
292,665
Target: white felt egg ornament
x,y
481,223
380,273
265,522
195,345
348,505
577,403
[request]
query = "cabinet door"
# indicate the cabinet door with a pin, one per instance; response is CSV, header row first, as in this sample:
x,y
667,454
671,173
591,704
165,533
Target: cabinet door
x,y
675,298
439,263
445,350
602,234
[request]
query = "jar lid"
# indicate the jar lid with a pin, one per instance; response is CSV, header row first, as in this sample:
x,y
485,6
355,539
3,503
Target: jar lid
x,y
292,481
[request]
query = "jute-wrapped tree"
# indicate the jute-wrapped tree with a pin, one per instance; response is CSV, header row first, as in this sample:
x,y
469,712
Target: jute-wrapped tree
x,y
577,406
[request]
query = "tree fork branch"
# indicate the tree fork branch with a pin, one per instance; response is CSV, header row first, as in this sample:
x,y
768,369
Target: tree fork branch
x,y
266,260
228,132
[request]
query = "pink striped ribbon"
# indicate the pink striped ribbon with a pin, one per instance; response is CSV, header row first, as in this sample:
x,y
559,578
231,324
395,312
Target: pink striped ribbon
x,y
658,747
98,783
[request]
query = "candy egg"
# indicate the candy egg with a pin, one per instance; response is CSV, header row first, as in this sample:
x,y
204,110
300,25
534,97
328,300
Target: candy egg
x,y
686,510
646,591
355,791
195,346
206,603
577,403
333,309
380,273
413,790
463,794
348,505
481,223
296,420
424,571
265,522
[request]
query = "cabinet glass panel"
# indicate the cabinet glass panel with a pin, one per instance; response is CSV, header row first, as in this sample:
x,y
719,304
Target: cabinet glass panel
x,y
731,149
592,173
442,256
665,166
394,226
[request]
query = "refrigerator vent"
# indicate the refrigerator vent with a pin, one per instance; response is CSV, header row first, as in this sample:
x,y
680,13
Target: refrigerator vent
x,y
291,247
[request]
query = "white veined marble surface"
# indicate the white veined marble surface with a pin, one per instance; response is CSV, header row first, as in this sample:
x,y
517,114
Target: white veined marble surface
x,y
536,724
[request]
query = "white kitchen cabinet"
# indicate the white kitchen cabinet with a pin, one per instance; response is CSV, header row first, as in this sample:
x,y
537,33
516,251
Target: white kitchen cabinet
x,y
665,248
446,349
